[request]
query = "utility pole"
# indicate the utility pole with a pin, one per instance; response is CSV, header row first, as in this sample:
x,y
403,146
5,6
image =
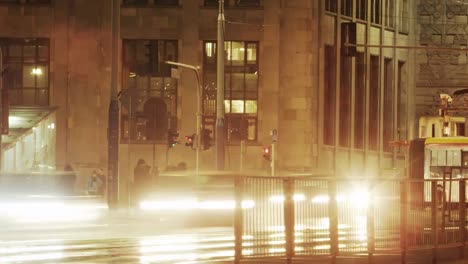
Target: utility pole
x,y
113,129
220,136
3,108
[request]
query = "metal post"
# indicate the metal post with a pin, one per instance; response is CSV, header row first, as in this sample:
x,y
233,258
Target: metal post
x,y
462,215
434,225
403,219
220,136
370,225
242,154
238,219
113,129
273,159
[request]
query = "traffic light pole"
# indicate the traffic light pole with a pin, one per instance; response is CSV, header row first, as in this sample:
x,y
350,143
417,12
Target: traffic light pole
x,y
113,128
199,93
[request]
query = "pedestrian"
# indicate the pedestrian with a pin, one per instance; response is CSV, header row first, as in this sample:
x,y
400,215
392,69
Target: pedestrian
x,y
68,179
141,179
95,184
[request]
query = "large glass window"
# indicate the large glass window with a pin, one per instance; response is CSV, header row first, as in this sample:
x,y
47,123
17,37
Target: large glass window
x,y
247,2
374,96
167,2
241,89
345,101
360,101
376,11
388,104
149,94
27,70
361,9
331,5
390,13
329,96
347,7
135,2
404,16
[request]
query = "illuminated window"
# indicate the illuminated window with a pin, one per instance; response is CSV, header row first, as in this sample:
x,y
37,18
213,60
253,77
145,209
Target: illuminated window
x,y
27,65
241,89
149,95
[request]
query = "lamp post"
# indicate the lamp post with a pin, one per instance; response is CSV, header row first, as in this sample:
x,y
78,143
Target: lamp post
x,y
199,93
113,129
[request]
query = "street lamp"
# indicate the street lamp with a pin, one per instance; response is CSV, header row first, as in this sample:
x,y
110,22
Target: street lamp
x,y
196,69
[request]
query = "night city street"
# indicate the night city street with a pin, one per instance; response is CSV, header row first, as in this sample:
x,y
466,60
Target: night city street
x,y
234,131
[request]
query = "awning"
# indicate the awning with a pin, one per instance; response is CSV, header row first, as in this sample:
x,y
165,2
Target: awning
x,y
22,119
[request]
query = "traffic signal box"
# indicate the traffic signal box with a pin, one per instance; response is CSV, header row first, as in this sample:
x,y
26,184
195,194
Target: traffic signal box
x,y
189,140
267,153
172,138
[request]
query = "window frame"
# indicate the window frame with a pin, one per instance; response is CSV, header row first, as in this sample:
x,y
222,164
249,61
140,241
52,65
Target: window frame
x,y
130,117
15,81
209,105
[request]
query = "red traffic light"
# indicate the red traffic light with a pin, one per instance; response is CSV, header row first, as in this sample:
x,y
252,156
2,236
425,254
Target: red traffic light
x,y
189,140
267,153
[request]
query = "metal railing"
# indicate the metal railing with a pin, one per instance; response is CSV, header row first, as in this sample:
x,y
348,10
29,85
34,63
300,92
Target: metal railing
x,y
307,217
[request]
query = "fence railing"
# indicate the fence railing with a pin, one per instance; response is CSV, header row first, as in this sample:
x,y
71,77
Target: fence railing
x,y
300,217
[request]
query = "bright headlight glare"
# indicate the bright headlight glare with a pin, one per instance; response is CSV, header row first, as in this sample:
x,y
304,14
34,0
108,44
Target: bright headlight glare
x,y
50,211
182,205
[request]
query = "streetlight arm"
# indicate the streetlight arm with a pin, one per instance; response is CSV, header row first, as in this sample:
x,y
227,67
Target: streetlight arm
x,y
196,69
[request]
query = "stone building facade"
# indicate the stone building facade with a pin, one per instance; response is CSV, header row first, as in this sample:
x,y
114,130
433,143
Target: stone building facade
x,y
442,63
284,70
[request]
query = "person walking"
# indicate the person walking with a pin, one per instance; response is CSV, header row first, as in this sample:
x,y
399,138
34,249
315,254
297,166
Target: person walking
x,y
141,179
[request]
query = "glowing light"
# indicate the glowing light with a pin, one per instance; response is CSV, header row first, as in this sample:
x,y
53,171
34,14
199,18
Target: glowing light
x,y
132,75
36,71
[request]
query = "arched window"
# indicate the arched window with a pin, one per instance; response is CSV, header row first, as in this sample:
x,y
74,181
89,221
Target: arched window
x,y
149,94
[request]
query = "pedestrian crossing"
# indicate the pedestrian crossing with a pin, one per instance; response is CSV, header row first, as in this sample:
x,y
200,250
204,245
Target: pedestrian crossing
x,y
187,248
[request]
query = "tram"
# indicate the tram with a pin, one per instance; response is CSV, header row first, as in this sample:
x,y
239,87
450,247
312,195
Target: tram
x,y
443,159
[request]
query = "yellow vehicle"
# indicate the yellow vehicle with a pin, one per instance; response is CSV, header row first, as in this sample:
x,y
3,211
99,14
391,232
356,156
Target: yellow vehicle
x,y
444,159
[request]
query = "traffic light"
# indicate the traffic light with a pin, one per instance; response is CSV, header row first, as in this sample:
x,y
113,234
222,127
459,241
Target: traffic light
x,y
206,139
267,153
172,138
189,140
